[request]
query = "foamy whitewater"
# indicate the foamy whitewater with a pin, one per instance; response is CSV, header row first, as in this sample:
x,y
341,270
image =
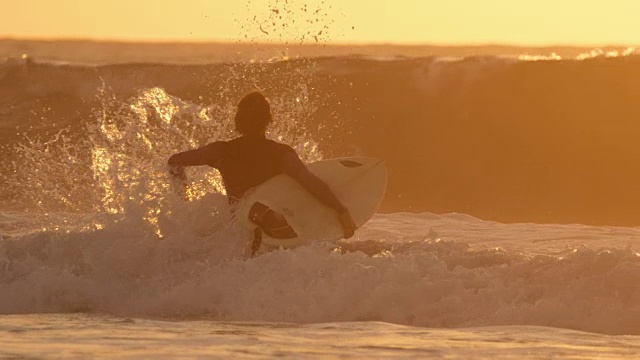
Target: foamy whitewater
x,y
100,258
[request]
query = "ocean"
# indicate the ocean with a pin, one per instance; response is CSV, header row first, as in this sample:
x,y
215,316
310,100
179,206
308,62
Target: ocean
x,y
509,230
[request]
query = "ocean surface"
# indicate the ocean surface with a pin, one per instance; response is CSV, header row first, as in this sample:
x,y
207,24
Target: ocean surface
x,y
510,227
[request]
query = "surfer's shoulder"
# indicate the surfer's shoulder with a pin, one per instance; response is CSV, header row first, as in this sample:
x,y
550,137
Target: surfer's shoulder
x,y
216,145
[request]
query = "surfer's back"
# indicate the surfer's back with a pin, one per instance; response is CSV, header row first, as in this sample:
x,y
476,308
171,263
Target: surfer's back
x,y
246,162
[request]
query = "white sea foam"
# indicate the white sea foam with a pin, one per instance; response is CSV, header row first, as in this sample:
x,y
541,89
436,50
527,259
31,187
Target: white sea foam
x,y
415,269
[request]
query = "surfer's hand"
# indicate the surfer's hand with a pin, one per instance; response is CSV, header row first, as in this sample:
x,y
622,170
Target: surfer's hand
x,y
179,181
178,172
348,225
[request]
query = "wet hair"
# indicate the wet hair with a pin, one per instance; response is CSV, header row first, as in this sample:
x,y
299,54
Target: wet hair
x,y
253,114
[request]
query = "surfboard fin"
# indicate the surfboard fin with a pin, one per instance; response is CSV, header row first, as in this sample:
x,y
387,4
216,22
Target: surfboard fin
x,y
350,163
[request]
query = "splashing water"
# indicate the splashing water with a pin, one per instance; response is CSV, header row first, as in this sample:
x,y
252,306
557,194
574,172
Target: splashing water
x,y
284,21
117,168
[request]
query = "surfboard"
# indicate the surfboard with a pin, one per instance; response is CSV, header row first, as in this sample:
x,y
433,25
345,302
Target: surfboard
x,y
290,216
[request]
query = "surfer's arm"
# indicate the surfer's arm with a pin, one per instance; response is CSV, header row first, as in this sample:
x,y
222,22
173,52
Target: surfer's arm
x,y
295,168
206,155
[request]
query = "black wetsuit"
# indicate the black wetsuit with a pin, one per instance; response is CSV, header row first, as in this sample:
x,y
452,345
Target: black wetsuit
x,y
246,162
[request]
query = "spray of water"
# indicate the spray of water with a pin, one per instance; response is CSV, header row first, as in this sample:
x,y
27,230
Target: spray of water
x,y
115,169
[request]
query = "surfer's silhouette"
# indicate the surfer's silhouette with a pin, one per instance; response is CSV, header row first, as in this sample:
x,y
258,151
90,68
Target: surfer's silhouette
x,y
251,159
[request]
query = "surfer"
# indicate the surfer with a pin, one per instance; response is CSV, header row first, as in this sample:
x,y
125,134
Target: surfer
x,y
251,159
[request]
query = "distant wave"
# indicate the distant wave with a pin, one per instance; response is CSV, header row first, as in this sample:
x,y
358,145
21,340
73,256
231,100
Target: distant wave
x,y
110,52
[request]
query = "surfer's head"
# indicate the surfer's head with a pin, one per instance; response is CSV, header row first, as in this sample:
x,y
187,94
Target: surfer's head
x,y
253,115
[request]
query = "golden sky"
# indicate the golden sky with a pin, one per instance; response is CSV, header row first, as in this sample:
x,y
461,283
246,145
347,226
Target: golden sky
x,y
520,22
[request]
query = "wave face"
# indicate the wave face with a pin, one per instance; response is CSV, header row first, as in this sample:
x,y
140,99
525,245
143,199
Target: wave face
x,y
498,138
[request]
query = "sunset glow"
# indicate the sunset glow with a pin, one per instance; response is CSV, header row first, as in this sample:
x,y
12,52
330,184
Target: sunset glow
x,y
542,22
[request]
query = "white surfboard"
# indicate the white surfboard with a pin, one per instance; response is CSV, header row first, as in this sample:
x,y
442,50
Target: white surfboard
x,y
296,217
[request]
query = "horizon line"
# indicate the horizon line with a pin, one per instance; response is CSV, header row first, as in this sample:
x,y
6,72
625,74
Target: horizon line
x,y
296,43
